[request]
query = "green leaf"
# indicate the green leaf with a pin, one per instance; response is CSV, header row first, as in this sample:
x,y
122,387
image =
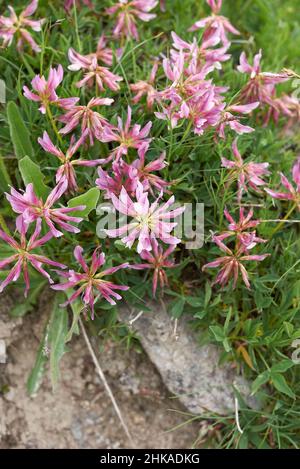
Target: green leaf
x,y
31,173
243,441
207,296
177,307
227,320
226,345
282,366
18,132
36,376
194,301
76,309
289,327
281,385
89,199
259,381
218,333
28,304
58,329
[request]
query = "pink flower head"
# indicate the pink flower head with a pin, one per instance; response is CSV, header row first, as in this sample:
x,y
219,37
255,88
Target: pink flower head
x,y
205,112
123,175
127,12
79,61
66,170
93,71
232,265
261,86
91,281
289,106
127,137
68,4
45,90
246,240
17,25
230,119
32,208
149,221
246,173
158,261
200,56
190,96
24,255
146,88
92,123
145,174
293,193
215,24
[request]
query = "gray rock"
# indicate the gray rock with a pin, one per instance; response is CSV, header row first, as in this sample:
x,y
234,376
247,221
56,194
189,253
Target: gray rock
x,y
190,371
2,351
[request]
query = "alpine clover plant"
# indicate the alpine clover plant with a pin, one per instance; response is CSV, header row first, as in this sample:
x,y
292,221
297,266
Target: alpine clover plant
x,y
140,116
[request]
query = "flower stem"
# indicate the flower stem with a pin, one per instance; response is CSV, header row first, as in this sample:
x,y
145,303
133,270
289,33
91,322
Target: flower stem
x,y
187,131
185,134
76,26
287,216
96,88
52,121
105,383
4,225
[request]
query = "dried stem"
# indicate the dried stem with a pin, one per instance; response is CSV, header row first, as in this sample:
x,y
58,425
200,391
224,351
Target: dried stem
x,y
104,381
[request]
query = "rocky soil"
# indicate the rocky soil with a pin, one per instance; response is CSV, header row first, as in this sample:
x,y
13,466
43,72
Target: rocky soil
x,y
79,414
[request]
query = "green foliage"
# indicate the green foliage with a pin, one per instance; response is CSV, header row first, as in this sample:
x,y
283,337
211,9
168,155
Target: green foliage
x,y
36,376
58,329
20,136
254,330
5,180
89,199
31,173
51,349
26,306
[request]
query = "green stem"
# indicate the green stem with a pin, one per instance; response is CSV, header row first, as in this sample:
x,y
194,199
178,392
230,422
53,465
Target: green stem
x,y
4,225
76,26
280,225
52,121
187,131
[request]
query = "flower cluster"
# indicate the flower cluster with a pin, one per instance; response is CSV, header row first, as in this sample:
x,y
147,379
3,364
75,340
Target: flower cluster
x,y
261,87
90,132
247,174
244,241
17,26
293,193
45,91
127,12
215,23
191,95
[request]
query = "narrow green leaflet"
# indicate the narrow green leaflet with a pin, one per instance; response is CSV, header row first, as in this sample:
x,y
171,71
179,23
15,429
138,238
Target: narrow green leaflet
x,y
282,366
36,376
281,385
18,131
31,173
218,333
259,381
58,329
5,180
76,309
177,307
89,199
